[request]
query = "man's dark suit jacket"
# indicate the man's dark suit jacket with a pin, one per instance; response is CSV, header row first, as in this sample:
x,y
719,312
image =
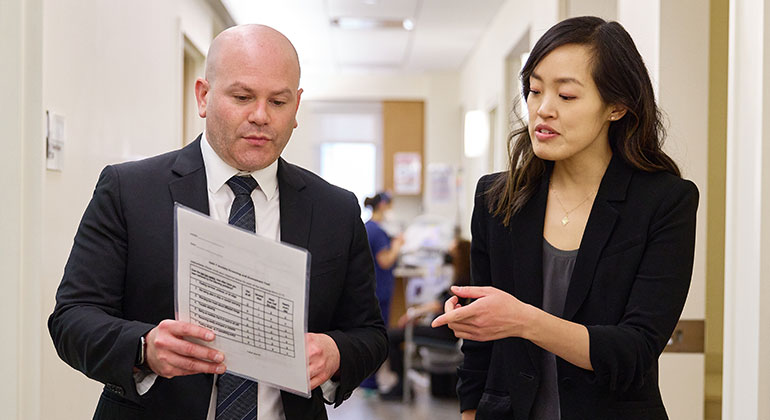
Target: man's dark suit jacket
x,y
628,288
118,282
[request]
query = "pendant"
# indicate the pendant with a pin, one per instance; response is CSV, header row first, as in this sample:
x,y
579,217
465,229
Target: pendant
x,y
564,221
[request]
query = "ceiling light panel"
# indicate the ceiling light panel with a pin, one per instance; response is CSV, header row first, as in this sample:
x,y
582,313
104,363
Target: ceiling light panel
x,y
447,32
380,48
359,23
382,9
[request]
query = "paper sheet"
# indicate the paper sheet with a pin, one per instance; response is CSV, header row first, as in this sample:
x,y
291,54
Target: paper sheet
x,y
251,291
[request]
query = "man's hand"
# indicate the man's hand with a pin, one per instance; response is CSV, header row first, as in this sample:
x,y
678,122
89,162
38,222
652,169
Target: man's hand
x,y
323,358
169,354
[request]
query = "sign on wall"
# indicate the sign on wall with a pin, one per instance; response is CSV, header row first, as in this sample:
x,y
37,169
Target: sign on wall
x,y
407,173
54,141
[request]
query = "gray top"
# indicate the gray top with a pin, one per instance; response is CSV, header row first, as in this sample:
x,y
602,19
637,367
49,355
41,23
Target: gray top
x,y
557,271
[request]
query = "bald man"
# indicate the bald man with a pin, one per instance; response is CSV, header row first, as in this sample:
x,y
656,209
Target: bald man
x,y
114,314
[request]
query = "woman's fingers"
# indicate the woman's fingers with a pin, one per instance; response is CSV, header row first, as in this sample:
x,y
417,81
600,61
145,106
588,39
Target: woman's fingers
x,y
450,306
473,292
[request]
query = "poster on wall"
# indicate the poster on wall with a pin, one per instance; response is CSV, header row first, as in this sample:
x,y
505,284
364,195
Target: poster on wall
x,y
407,173
441,183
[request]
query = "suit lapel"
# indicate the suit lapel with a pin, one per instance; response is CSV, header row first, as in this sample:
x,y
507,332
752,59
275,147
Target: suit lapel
x,y
295,208
601,223
190,188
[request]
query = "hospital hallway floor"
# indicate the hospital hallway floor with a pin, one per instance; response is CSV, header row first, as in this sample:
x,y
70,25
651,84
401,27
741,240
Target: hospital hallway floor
x,y
363,405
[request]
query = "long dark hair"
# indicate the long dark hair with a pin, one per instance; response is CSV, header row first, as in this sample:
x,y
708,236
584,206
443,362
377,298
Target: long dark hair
x,y
621,78
461,262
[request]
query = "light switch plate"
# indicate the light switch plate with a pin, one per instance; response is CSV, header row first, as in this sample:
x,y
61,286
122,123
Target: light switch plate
x,y
54,141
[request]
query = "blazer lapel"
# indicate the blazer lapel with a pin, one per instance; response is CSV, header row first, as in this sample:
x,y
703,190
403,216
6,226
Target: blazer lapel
x,y
601,223
190,188
526,237
295,208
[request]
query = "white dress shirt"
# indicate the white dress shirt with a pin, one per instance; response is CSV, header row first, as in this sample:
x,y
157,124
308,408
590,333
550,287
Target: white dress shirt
x,y
267,217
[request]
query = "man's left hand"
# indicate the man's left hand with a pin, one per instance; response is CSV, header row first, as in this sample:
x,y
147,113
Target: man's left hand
x,y
323,358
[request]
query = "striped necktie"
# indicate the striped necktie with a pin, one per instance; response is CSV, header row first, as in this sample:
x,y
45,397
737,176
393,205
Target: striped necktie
x,y
236,396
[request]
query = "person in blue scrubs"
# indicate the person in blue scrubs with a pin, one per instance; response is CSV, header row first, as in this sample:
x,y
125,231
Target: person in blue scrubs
x,y
385,251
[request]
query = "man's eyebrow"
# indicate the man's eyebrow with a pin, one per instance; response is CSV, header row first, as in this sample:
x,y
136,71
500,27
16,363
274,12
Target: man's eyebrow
x,y
239,85
560,80
243,86
285,91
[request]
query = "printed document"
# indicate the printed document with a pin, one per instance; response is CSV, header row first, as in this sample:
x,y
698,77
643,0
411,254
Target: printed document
x,y
251,291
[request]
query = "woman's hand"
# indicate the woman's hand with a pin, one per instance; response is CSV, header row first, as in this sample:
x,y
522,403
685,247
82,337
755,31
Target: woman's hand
x,y
493,315
496,314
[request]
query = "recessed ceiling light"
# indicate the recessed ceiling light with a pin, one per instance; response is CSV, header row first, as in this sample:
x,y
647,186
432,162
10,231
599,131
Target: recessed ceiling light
x,y
371,23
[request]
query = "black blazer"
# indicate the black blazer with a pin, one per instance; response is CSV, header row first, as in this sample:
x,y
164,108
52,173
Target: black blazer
x,y
628,288
118,282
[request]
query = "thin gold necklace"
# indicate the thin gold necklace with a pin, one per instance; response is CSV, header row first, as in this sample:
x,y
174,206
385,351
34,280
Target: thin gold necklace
x,y
565,219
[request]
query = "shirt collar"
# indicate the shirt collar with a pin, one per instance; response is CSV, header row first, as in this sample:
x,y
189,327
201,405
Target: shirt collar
x,y
218,172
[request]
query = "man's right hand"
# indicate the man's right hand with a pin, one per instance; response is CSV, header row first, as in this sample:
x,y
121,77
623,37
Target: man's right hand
x,y
469,415
169,354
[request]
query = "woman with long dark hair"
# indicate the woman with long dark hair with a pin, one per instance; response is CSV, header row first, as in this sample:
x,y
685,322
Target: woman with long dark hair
x,y
582,251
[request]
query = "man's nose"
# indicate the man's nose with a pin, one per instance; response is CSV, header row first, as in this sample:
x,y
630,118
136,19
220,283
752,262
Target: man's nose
x,y
259,114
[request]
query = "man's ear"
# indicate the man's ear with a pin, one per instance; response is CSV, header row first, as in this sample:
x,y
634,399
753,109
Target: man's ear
x,y
299,96
201,95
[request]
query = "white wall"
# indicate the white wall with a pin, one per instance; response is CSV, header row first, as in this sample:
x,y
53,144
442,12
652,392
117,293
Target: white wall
x,y
11,29
683,92
642,20
114,70
746,379
482,81
605,9
20,165
683,96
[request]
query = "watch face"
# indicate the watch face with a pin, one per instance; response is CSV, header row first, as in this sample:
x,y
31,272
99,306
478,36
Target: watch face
x,y
140,353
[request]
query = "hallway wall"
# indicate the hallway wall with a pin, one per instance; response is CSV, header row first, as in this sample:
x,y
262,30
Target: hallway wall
x,y
114,70
746,380
482,83
20,73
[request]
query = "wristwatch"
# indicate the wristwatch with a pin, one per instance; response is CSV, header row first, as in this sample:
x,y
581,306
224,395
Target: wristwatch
x,y
141,354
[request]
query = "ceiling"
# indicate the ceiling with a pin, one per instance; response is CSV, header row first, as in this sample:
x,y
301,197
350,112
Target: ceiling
x,y
443,33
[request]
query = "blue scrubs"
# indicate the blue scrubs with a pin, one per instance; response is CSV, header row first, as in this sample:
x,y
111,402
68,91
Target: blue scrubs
x,y
379,240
